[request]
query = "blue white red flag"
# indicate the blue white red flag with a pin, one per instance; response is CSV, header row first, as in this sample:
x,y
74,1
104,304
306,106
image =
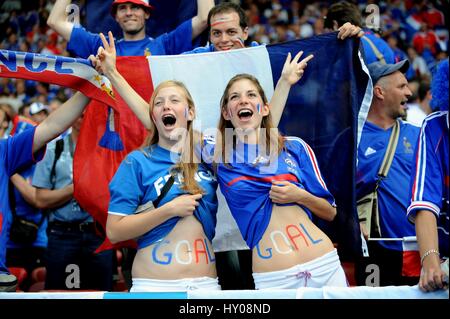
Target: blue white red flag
x,y
324,109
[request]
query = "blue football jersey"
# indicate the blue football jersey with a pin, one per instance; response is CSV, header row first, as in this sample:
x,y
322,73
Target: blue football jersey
x,y
393,193
140,179
430,175
83,43
15,154
246,182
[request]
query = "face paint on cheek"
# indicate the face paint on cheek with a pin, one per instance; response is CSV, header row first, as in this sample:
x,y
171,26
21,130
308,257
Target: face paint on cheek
x,y
186,111
258,107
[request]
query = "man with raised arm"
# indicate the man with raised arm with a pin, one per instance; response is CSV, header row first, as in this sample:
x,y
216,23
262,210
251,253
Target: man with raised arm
x,y
131,15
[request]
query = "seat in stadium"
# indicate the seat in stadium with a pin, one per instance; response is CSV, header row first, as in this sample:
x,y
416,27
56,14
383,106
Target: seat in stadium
x,y
21,274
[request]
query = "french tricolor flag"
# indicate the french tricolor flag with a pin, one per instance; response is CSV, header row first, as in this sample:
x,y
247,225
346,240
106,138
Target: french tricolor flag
x,y
324,109
411,257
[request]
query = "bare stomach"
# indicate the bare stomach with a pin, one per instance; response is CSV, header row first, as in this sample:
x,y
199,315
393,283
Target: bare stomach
x,y
185,252
290,239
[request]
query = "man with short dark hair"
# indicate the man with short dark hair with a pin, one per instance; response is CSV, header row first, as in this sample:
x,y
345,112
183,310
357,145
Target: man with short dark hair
x,y
228,29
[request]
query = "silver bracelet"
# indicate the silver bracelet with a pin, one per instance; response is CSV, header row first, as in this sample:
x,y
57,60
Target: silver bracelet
x,y
428,252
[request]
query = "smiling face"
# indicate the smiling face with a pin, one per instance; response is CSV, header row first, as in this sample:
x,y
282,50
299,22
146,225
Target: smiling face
x,y
171,109
226,32
245,107
131,18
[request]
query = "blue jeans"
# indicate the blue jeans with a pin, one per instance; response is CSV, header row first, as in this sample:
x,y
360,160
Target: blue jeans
x,y
71,262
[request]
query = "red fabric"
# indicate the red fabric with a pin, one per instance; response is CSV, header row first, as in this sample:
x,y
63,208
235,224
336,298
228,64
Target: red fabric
x,y
411,263
94,166
434,18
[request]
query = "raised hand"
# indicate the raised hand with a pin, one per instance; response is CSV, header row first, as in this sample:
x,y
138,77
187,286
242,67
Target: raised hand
x,y
293,70
348,30
106,55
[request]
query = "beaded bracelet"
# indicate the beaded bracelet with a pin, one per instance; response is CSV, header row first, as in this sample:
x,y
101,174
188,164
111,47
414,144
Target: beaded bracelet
x,y
428,252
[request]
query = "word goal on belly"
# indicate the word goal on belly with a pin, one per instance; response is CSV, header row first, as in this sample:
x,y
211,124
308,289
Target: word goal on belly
x,y
290,235
165,253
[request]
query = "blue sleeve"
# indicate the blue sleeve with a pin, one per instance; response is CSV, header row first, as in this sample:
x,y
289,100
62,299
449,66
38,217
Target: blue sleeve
x,y
19,153
205,49
311,178
206,151
178,40
83,43
41,176
125,187
426,192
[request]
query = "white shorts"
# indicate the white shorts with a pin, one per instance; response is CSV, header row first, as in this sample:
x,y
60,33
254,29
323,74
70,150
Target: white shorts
x,y
320,272
185,284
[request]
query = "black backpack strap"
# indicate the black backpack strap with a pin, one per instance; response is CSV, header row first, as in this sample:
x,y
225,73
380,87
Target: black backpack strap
x,y
58,150
164,190
12,198
151,205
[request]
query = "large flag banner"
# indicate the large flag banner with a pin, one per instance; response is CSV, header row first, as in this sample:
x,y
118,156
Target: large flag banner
x,y
323,108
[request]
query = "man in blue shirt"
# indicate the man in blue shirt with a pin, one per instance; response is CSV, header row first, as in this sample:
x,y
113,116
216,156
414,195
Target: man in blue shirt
x,y
22,150
131,16
390,94
429,206
228,29
375,48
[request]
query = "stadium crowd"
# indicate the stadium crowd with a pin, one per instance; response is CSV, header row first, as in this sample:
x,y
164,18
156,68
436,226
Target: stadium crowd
x,y
415,30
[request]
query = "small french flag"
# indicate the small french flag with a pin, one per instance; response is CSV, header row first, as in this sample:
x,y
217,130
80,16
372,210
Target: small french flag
x,y
411,257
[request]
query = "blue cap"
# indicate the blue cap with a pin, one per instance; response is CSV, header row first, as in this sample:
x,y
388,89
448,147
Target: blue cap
x,y
377,69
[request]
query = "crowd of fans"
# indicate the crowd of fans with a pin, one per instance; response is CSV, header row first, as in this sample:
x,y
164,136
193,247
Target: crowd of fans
x,y
414,29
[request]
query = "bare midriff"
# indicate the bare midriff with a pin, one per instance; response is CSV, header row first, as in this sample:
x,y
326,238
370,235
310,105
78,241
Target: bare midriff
x,y
185,252
291,238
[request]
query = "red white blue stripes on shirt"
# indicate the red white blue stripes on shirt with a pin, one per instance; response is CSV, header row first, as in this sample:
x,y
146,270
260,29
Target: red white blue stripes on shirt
x,y
311,157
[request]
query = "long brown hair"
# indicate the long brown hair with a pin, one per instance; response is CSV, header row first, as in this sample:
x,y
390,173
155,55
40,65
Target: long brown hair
x,y
187,165
273,142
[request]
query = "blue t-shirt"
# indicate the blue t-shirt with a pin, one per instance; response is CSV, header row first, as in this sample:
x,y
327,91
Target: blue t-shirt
x,y
140,178
15,154
71,211
83,43
380,44
393,197
211,48
30,213
430,175
247,180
